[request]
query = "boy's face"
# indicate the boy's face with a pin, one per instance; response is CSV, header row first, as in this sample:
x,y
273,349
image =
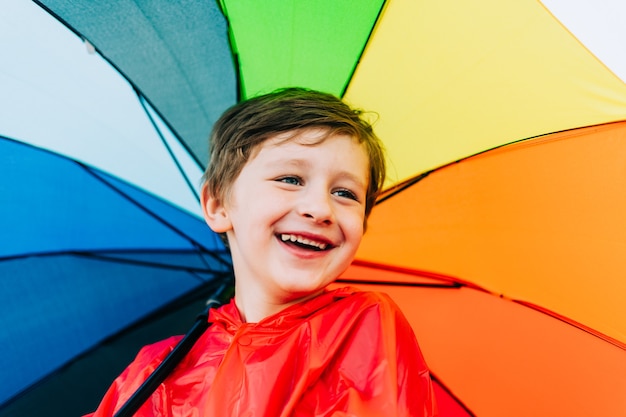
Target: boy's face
x,y
294,216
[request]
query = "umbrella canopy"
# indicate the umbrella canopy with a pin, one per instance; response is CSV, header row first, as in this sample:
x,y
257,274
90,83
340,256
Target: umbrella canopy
x,y
501,233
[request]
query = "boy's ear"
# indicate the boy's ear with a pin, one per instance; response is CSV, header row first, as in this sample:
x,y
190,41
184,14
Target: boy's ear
x,y
214,212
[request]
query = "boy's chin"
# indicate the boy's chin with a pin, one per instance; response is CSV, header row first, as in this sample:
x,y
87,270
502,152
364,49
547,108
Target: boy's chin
x,y
296,295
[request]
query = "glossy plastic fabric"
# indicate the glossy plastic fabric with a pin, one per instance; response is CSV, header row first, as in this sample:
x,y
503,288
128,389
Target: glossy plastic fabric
x,y
342,353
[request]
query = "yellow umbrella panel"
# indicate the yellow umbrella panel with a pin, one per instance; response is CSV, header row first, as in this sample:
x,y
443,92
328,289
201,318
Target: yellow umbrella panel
x,y
451,79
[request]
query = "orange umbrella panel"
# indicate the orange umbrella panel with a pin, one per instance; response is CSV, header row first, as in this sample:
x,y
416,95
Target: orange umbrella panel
x,y
541,221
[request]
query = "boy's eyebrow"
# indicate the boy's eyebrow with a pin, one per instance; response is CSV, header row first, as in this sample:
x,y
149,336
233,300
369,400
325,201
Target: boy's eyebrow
x,y
351,177
282,161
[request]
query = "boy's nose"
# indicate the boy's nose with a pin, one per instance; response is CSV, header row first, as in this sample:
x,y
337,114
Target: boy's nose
x,y
317,206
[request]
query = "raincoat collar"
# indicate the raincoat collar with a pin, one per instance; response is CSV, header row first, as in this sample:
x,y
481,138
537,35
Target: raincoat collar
x,y
228,315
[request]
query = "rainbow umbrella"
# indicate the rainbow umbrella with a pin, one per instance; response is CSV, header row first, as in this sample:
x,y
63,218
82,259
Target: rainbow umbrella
x,y
501,233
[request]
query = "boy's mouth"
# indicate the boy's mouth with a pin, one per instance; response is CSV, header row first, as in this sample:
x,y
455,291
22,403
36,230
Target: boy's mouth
x,y
303,242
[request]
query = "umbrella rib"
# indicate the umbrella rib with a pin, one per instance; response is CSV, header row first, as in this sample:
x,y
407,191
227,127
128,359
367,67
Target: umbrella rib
x,y
234,51
369,36
142,101
453,282
96,255
447,281
399,187
449,392
390,192
99,255
154,215
571,322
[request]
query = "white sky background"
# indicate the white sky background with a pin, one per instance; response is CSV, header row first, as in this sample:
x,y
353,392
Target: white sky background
x,y
600,25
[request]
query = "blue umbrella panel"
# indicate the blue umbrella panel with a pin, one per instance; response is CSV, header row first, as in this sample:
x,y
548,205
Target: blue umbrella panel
x,y
83,256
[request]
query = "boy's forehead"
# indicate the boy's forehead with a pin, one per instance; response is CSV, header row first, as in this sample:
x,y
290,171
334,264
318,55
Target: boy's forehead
x,y
282,138
307,138
301,144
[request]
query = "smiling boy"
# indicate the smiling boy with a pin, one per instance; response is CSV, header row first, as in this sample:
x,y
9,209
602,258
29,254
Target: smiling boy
x,y
292,178
294,218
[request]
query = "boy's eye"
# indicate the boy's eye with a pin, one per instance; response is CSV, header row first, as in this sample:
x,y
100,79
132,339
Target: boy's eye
x,y
290,180
346,194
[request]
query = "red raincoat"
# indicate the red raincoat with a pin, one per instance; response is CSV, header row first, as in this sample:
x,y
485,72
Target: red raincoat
x,y
343,353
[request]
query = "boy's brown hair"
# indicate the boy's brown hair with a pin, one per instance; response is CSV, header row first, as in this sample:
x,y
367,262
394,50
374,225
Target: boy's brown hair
x,y
246,125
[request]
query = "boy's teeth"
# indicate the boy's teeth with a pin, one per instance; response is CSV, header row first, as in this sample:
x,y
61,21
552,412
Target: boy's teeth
x,y
304,241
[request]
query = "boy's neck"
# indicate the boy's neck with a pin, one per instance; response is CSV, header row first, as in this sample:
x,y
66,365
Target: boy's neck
x,y
254,306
